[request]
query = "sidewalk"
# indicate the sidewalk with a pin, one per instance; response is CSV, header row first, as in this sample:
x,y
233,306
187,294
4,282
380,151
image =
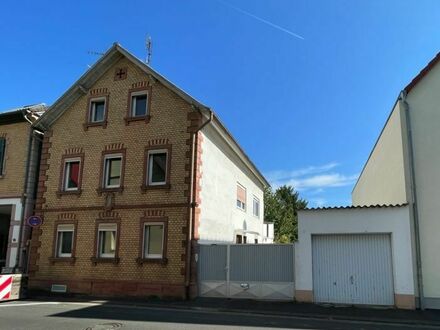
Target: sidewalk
x,y
292,309
382,315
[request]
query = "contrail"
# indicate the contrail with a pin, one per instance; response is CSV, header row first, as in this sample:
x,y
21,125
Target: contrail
x,y
261,20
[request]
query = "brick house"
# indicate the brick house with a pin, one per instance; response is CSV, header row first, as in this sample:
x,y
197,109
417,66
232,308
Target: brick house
x,y
133,172
19,157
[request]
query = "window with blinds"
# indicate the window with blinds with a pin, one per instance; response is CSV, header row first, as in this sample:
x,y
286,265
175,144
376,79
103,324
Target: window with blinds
x,y
241,197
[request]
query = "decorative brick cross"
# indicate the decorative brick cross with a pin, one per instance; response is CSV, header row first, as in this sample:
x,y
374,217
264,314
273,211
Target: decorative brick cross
x,y
120,73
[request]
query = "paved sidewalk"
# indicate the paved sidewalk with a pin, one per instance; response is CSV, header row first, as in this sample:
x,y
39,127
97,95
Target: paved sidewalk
x,y
380,315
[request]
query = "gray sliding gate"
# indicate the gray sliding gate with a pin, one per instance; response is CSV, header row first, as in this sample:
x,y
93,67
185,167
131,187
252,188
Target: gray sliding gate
x,y
257,271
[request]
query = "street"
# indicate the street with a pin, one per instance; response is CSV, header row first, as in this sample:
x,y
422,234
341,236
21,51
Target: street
x,y
103,315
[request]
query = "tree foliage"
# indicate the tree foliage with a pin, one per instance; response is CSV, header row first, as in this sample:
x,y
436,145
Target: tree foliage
x,y
280,208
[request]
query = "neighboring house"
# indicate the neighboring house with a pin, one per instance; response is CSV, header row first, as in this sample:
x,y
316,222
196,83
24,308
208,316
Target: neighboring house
x,y
403,167
133,172
19,158
268,233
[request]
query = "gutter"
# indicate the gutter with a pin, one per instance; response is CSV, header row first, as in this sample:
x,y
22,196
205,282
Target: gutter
x,y
193,204
402,97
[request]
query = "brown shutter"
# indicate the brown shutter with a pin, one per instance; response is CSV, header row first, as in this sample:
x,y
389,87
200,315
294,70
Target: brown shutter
x,y
241,194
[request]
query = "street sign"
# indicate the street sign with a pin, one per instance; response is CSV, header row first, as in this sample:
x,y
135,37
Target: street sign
x,y
34,221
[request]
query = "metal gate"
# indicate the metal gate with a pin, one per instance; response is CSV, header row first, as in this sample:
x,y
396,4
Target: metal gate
x,y
256,271
352,269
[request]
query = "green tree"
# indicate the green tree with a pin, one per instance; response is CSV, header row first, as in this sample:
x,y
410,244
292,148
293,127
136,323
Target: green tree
x,y
280,207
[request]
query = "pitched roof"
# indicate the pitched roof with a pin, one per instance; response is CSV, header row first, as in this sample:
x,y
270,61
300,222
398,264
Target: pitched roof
x,y
114,54
422,73
29,113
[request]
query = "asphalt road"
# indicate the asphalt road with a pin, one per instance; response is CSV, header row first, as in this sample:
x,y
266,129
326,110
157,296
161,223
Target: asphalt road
x,y
103,316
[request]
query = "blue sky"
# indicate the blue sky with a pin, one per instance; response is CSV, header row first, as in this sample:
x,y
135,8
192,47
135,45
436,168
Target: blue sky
x,y
304,86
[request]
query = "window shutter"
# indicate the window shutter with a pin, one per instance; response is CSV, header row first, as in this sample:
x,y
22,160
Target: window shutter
x,y
66,227
241,194
2,154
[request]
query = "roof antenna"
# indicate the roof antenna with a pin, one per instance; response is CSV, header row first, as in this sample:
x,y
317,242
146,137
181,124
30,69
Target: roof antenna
x,y
148,45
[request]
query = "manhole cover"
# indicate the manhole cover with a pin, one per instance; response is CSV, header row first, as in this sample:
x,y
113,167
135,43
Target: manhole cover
x,y
105,326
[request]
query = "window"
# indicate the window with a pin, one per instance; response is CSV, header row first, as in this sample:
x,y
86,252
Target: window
x,y
97,110
256,207
238,239
241,197
2,155
153,240
71,174
256,240
107,240
64,246
112,171
139,104
157,167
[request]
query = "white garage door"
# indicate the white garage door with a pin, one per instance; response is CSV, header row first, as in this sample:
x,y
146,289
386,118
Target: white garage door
x,y
353,269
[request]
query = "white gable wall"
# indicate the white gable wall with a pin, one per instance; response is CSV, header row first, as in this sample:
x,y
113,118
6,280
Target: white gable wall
x,y
382,180
424,105
220,218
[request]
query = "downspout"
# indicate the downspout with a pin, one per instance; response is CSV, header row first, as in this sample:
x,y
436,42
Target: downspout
x,y
415,211
193,204
18,257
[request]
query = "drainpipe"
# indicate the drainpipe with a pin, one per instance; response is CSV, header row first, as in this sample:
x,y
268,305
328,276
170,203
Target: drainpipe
x,y
193,203
24,199
415,211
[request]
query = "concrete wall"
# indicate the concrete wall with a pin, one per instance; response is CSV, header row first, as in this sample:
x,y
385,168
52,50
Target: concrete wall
x,y
424,108
220,218
394,220
382,180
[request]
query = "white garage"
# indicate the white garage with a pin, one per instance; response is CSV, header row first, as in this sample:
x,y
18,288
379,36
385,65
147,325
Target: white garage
x,y
355,256
352,269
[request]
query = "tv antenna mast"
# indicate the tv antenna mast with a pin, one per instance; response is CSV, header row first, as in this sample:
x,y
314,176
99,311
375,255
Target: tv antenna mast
x,y
148,46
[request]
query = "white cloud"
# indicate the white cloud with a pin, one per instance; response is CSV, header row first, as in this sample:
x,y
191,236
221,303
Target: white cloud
x,y
282,175
317,178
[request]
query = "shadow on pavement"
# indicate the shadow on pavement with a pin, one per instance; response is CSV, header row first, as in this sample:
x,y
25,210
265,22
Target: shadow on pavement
x,y
162,314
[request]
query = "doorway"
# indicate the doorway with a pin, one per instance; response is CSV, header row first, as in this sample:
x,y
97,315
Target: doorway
x,y
5,222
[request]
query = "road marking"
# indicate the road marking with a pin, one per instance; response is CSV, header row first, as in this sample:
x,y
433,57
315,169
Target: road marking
x,y
28,304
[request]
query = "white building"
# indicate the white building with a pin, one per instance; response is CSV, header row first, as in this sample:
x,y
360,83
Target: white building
x,y
232,189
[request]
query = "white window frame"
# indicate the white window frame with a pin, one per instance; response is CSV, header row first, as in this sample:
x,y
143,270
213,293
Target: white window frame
x,y
106,170
92,110
150,167
67,173
59,243
240,205
256,199
107,227
144,243
133,104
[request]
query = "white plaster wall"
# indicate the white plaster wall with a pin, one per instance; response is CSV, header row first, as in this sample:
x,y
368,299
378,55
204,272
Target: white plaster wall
x,y
394,220
424,105
220,218
382,180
